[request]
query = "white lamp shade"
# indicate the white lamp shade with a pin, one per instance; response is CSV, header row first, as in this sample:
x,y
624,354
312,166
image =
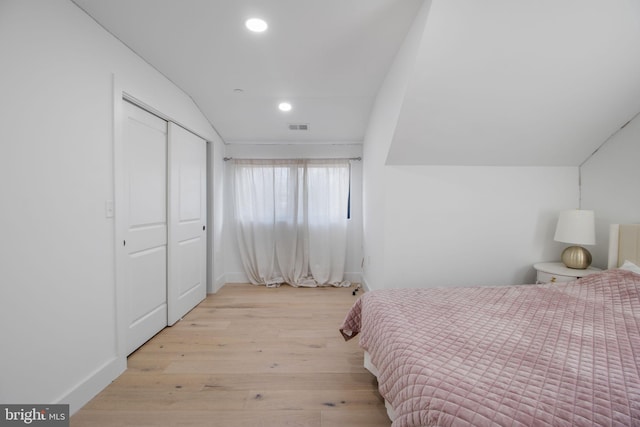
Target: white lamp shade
x,y
577,227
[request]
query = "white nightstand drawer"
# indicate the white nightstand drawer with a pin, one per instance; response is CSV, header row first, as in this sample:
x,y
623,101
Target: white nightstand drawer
x,y
554,272
544,277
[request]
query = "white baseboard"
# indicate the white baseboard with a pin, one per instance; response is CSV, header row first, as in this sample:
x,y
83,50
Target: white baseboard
x,y
237,277
363,282
86,390
240,277
353,277
218,284
215,284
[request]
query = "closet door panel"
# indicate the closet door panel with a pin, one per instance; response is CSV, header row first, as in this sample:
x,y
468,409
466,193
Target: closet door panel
x,y
145,236
187,221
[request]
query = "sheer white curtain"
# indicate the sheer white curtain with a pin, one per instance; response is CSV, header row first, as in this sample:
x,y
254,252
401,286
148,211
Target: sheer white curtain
x,y
291,220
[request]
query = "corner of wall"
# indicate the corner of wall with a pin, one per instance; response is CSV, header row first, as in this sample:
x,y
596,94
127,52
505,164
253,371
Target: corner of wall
x,y
608,180
378,137
365,284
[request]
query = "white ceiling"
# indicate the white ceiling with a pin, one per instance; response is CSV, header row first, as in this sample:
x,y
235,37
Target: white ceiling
x,y
327,57
496,82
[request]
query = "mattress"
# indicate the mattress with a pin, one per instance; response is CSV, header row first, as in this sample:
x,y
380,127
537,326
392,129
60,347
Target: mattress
x,y
555,354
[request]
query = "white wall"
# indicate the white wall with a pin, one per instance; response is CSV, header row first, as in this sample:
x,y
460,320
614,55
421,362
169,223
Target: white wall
x,y
378,137
610,181
449,225
57,293
217,246
463,225
232,261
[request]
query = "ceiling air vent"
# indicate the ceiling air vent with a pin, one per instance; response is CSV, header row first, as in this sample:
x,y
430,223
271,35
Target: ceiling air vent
x,y
298,126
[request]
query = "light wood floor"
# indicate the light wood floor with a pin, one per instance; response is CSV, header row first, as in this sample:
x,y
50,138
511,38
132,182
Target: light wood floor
x,y
247,356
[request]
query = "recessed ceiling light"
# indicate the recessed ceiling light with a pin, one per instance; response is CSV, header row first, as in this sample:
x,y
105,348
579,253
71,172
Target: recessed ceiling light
x,y
256,25
284,106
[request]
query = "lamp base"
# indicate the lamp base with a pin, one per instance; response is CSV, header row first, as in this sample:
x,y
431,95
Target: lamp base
x,y
576,257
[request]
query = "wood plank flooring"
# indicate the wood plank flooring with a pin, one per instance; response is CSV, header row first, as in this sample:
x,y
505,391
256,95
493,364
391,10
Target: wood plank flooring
x,y
247,356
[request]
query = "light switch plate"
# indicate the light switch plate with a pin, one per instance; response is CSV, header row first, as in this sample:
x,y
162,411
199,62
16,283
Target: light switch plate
x,y
109,209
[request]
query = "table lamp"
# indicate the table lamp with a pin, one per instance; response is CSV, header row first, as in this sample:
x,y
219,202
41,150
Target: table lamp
x,y
576,226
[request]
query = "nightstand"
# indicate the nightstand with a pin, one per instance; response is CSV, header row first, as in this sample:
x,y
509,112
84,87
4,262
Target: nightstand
x,y
551,272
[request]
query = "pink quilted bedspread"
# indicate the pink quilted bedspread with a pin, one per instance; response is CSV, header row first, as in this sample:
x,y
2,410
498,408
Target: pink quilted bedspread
x,y
557,355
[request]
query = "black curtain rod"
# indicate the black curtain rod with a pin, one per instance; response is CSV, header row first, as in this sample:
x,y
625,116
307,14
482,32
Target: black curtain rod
x,y
309,158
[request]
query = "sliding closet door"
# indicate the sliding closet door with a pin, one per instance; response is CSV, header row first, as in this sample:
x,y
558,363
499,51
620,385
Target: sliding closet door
x,y
187,221
145,222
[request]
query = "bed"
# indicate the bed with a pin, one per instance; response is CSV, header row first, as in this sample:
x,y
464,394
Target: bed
x,y
562,354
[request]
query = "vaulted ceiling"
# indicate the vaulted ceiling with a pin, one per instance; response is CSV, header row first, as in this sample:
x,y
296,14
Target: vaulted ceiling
x,y
495,82
326,57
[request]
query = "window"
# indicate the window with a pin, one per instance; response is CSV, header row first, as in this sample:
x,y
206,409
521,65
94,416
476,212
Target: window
x,y
291,218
